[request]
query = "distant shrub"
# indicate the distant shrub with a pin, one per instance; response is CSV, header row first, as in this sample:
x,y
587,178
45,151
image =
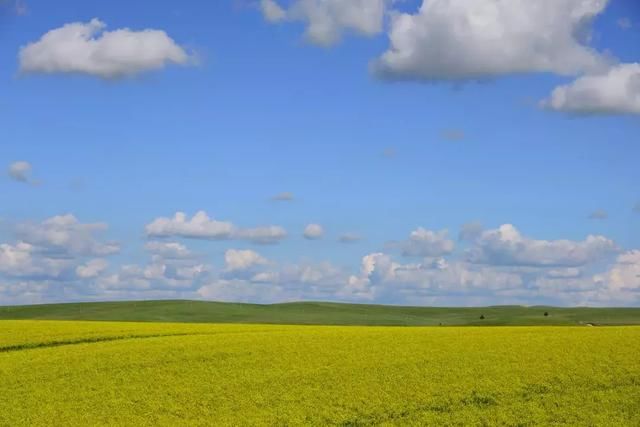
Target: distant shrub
x,y
482,317
546,313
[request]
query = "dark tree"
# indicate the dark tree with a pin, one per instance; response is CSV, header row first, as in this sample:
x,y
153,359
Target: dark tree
x,y
546,313
482,317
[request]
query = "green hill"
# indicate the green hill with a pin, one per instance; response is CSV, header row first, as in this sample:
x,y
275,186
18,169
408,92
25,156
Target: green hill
x,y
320,313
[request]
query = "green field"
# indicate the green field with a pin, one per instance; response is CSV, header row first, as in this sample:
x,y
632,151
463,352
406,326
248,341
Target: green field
x,y
317,313
99,373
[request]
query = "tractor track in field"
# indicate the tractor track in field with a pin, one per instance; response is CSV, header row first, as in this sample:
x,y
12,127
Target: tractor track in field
x,y
93,340
96,340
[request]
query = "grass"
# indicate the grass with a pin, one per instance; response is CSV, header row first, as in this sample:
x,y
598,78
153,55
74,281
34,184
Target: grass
x,y
97,373
320,313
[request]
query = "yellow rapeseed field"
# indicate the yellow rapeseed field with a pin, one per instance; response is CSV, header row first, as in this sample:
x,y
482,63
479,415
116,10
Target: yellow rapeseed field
x,y
98,373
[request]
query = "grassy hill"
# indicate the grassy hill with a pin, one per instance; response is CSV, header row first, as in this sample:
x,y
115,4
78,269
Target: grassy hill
x,y
320,313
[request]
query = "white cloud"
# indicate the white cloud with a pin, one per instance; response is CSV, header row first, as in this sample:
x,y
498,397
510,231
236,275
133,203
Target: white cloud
x,y
501,267
201,226
313,232
15,256
616,91
21,260
624,275
327,20
506,246
159,274
171,250
266,235
53,262
476,39
50,262
272,11
20,171
381,277
239,290
65,234
92,269
240,260
564,273
618,285
86,48
425,243
172,266
273,283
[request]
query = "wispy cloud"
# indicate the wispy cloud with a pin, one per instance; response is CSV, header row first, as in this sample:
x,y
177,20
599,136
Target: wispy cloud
x,y
283,197
599,214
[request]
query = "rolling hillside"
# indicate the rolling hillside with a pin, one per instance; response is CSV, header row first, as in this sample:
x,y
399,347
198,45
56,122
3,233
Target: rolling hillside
x,y
320,313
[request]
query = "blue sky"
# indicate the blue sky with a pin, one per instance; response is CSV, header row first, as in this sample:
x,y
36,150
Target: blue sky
x,y
230,106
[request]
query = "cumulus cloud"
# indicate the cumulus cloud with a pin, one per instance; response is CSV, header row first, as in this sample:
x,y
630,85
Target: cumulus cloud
x,y
160,274
131,278
616,91
66,235
599,214
464,283
507,247
313,232
618,285
501,267
425,243
24,260
240,260
381,276
240,290
15,257
91,269
201,226
564,273
327,20
87,48
288,282
266,235
50,259
457,40
624,275
171,250
272,11
20,171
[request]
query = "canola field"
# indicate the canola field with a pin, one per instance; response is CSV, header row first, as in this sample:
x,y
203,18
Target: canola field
x,y
109,373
